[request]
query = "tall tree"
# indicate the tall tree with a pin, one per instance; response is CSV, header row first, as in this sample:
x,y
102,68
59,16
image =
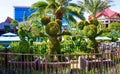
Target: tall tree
x,y
56,8
14,24
114,31
94,6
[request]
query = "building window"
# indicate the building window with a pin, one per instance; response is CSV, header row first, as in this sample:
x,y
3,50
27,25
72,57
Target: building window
x,y
106,25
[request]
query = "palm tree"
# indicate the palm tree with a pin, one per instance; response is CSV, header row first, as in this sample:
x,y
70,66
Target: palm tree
x,y
25,17
14,24
94,6
56,8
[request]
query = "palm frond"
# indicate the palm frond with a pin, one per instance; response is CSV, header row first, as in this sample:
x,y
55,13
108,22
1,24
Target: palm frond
x,y
94,6
39,5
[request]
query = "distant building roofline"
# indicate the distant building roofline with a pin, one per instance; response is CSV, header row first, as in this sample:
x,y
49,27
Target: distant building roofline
x,y
8,19
21,6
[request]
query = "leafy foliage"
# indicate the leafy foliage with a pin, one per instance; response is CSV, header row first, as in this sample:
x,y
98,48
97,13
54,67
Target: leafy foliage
x,y
35,29
90,31
52,28
114,31
24,47
14,47
14,24
22,33
81,24
40,48
1,47
45,20
115,26
58,9
94,6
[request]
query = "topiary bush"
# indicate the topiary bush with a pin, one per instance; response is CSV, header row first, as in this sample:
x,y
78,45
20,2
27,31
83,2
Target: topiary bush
x,y
91,31
22,33
40,48
53,30
45,20
81,24
24,47
14,47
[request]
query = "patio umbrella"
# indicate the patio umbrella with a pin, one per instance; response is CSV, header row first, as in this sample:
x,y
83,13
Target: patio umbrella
x,y
8,34
103,38
7,38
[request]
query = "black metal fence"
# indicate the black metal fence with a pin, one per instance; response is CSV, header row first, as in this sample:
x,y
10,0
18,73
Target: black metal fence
x,y
102,63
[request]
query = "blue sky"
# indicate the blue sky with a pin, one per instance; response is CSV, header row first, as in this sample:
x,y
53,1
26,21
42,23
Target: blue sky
x,y
7,7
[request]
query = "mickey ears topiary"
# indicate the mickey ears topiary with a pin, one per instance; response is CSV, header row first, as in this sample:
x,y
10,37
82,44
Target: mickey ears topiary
x,y
94,21
45,20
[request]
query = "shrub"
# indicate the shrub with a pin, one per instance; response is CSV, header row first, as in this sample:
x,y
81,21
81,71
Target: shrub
x,y
1,47
40,48
14,46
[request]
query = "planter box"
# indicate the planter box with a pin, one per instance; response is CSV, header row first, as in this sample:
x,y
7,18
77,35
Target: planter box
x,y
92,64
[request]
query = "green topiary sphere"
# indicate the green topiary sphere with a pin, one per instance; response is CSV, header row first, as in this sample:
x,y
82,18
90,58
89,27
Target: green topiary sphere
x,y
86,23
45,20
59,12
94,21
52,28
81,24
90,31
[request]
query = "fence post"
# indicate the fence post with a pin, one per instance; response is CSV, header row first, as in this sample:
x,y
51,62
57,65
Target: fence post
x,y
6,59
101,64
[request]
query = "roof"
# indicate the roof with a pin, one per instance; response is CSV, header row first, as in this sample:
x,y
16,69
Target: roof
x,y
9,19
5,23
21,6
108,13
